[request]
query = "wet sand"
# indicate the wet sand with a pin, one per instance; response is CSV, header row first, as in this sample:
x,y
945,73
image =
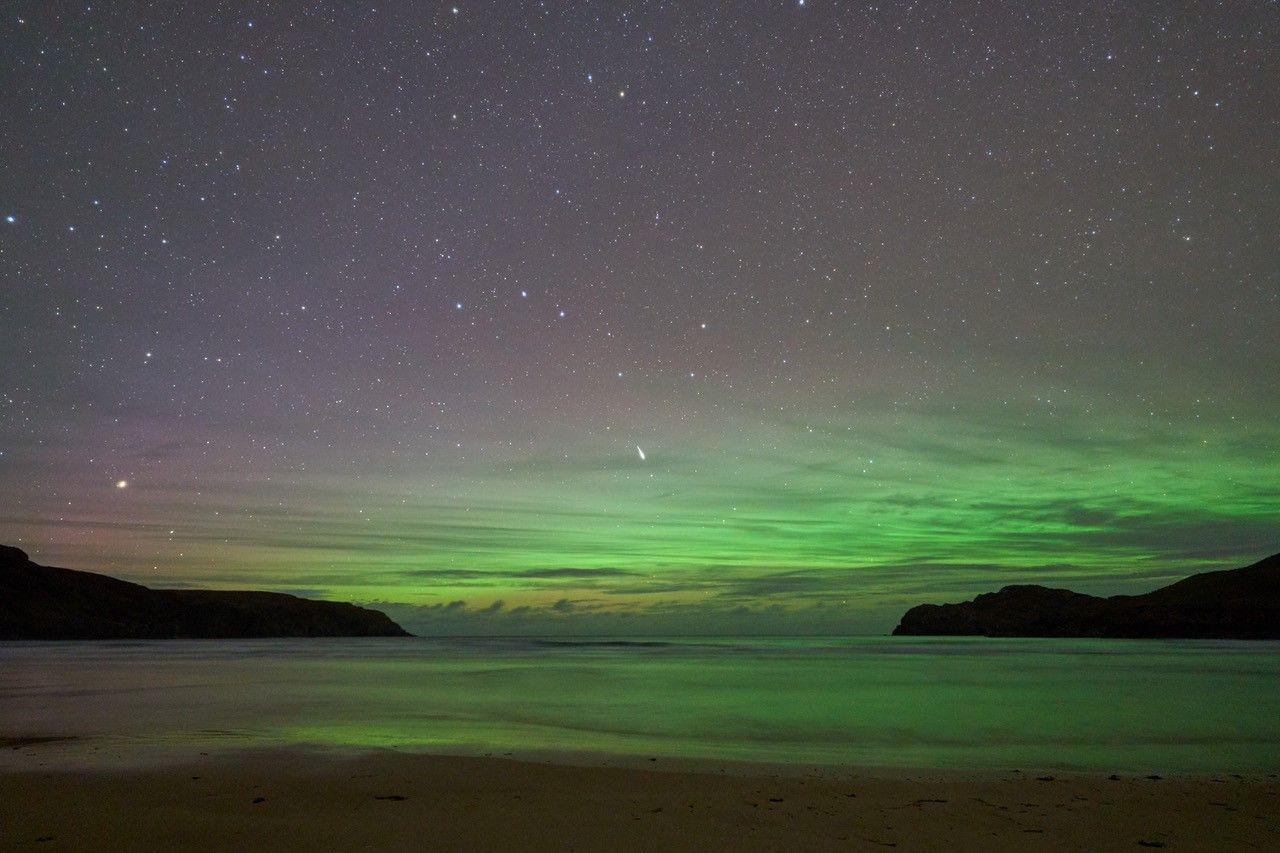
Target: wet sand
x,y
293,800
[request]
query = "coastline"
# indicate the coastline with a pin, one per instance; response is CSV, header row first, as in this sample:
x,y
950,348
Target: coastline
x,y
298,799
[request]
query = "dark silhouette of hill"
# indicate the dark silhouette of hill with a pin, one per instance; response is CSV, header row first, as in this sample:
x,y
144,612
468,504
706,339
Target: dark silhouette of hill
x,y
1241,604
46,603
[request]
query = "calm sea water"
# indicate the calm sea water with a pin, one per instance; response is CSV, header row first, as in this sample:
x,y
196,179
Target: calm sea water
x,y
1038,704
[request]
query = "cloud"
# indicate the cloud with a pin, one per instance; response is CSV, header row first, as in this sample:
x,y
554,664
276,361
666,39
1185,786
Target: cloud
x,y
573,573
566,617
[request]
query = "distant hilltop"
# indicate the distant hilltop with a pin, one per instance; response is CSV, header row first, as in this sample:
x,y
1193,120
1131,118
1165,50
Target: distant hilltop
x,y
46,603
1236,604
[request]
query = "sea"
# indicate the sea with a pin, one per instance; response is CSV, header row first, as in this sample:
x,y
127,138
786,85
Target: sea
x,y
966,703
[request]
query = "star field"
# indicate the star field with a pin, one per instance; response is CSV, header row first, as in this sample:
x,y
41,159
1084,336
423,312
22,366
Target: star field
x,y
379,301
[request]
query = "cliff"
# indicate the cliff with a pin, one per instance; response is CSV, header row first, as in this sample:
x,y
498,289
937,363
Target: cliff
x,y
46,603
1242,604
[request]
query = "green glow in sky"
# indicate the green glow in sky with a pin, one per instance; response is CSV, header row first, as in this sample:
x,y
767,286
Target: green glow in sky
x,y
902,303
826,522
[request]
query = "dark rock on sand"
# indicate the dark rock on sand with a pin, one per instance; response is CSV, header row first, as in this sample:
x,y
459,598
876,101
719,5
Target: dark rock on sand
x,y
46,603
1242,604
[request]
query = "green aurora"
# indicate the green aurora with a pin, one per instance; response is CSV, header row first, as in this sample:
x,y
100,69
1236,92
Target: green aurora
x,y
826,524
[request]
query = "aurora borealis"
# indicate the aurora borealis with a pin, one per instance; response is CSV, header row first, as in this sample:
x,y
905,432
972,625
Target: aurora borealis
x,y
902,303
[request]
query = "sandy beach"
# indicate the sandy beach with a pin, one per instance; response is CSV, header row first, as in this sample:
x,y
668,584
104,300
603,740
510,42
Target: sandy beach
x,y
295,800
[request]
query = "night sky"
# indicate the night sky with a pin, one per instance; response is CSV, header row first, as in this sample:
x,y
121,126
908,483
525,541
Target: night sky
x,y
386,302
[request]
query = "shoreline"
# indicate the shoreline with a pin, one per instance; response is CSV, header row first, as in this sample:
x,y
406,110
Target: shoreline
x,y
297,799
98,752
113,753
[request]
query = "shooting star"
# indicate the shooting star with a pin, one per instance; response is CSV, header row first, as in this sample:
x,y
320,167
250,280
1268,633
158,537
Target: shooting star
x,y
641,452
